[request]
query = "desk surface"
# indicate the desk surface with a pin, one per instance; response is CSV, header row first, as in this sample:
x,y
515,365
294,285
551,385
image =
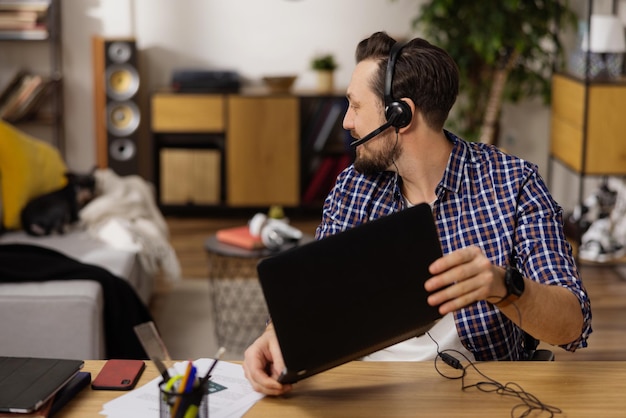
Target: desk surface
x,y
397,389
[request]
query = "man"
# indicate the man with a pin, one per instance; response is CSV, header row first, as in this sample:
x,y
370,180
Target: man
x,y
492,210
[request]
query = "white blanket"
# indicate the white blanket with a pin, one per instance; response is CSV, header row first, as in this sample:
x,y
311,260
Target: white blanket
x,y
124,215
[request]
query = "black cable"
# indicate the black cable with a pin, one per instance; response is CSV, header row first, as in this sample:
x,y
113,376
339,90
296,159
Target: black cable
x,y
529,403
394,150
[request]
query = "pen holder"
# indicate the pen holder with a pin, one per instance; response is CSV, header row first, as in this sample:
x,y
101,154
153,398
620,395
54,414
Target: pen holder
x,y
192,404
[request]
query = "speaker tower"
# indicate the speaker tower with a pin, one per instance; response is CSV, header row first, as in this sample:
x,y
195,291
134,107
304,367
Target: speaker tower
x,y
117,112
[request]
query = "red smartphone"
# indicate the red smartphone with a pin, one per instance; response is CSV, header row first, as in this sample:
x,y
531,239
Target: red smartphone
x,y
118,375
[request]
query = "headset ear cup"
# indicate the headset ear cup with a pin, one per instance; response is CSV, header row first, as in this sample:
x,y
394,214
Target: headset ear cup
x,y
399,114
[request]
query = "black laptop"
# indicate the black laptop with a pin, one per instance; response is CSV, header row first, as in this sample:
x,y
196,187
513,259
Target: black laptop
x,y
353,293
26,383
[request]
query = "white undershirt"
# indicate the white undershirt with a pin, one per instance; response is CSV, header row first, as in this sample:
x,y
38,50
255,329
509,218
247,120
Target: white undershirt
x,y
423,348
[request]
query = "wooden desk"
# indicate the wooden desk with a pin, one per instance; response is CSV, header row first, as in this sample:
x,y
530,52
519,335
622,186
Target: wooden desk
x,y
395,389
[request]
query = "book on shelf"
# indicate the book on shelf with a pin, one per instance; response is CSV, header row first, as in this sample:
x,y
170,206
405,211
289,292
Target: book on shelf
x,y
39,6
23,19
323,115
17,19
22,96
329,122
12,91
324,177
240,236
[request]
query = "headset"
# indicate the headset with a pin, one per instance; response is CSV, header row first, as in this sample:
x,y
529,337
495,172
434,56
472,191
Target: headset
x,y
273,232
397,112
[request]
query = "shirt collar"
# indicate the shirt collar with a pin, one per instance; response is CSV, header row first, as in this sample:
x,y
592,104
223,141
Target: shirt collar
x,y
453,174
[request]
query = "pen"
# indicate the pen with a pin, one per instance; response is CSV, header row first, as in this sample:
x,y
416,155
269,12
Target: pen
x,y
191,410
191,379
218,355
182,389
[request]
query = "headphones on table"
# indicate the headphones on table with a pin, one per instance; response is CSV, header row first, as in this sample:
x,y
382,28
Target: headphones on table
x,y
273,232
397,112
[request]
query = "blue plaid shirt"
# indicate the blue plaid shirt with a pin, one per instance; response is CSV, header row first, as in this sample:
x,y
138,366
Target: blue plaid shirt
x,y
482,193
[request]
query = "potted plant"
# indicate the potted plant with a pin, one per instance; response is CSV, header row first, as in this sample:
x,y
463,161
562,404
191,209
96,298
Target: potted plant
x,y
505,50
324,65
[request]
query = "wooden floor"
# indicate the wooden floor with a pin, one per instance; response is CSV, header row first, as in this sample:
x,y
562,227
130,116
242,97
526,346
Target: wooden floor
x,y
606,286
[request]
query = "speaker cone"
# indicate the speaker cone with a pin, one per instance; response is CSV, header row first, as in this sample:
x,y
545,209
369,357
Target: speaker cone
x,y
122,149
122,118
122,81
119,52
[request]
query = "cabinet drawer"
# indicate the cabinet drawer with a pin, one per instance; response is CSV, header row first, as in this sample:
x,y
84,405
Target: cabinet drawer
x,y
190,177
187,113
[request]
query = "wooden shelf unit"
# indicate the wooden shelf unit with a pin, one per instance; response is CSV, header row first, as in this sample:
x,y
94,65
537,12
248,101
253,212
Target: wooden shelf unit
x,y
248,150
587,125
48,119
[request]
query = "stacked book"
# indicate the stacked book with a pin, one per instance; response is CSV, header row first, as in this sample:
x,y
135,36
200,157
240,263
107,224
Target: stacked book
x,y
23,19
240,236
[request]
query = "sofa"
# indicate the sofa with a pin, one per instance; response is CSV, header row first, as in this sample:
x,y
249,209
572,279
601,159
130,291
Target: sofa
x,y
65,316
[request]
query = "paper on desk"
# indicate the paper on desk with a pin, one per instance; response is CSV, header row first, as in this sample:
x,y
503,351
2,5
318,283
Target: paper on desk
x,y
232,402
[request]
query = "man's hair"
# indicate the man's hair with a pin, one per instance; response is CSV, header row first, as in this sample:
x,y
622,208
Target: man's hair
x,y
423,72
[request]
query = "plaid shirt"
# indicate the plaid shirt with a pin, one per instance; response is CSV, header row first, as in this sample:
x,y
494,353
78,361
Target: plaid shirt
x,y
485,198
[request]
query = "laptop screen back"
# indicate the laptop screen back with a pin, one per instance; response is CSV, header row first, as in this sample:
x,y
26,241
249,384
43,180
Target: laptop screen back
x,y
348,295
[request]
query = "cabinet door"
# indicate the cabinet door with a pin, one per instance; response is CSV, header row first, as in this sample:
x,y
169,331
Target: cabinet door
x,y
263,151
589,143
190,176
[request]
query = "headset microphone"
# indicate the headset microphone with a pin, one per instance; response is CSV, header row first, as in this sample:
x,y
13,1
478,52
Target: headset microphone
x,y
371,135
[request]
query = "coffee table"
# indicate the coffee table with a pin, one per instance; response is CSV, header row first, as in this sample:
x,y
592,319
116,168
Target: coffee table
x,y
237,301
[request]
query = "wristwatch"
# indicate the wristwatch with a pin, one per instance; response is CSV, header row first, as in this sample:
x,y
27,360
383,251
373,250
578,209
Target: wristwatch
x,y
514,282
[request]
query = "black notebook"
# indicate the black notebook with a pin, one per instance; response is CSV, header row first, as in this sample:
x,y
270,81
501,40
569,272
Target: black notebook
x,y
26,383
353,293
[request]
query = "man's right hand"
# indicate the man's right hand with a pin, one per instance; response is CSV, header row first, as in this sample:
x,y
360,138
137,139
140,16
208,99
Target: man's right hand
x,y
263,364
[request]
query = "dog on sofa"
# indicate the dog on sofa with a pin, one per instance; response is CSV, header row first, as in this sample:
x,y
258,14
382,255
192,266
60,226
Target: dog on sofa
x,y
55,211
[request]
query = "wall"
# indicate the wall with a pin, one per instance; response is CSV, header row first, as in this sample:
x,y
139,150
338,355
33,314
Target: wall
x,y
255,38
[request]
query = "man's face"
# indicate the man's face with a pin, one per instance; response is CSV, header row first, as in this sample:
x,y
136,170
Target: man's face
x,y
364,115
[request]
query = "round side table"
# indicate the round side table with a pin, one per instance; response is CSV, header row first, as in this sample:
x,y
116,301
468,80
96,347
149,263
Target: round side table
x,y
237,300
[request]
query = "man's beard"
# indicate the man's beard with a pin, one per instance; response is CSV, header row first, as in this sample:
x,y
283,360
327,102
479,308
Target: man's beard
x,y
379,161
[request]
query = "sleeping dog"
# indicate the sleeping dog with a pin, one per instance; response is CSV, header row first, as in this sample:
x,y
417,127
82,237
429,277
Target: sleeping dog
x,y
54,211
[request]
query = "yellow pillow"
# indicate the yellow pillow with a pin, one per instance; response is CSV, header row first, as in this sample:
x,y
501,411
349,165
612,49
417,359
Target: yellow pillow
x,y
28,168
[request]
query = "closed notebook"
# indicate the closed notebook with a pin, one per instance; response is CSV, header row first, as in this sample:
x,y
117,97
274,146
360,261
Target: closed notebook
x,y
353,293
240,236
27,383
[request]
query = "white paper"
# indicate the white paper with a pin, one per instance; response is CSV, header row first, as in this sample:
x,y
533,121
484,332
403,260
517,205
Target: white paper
x,y
234,401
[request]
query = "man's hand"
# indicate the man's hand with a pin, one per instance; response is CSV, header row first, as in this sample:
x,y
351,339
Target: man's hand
x,y
462,278
263,363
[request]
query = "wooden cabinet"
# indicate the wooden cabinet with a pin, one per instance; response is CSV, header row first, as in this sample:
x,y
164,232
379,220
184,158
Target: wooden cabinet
x,y
262,151
189,135
588,125
231,150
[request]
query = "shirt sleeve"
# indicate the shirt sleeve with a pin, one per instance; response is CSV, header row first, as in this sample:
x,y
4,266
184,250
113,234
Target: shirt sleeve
x,y
543,252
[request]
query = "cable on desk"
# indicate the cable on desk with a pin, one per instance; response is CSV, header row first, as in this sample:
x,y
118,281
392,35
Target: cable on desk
x,y
529,402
